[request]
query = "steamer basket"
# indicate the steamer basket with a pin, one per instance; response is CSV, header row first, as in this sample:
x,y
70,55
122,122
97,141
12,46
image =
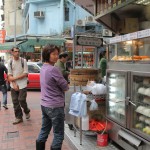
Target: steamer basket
x,y
84,71
82,76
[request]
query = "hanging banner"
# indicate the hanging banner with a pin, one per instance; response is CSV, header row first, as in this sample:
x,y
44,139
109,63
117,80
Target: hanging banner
x,y
2,36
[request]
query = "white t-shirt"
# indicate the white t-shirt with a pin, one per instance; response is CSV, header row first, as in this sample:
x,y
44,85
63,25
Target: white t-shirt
x,y
17,70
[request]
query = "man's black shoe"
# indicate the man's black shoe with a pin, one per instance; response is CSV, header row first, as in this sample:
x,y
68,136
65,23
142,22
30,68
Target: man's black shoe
x,y
5,106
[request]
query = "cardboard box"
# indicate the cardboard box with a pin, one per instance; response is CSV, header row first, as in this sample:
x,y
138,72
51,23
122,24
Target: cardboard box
x,y
128,25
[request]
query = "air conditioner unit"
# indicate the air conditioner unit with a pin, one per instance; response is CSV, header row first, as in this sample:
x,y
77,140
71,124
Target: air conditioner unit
x,y
90,18
80,22
107,32
39,14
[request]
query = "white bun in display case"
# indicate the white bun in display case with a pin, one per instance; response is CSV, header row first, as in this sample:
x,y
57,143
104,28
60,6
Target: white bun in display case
x,y
121,111
146,112
140,109
147,92
142,118
141,90
147,121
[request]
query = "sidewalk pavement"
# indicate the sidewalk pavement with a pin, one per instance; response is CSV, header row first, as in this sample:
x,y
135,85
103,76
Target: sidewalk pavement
x,y
22,136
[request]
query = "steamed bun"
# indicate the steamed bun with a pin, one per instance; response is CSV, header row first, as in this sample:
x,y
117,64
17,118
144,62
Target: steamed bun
x,y
141,90
147,92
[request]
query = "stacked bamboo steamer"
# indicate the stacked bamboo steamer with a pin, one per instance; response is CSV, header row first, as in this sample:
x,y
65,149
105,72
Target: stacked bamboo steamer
x,y
83,75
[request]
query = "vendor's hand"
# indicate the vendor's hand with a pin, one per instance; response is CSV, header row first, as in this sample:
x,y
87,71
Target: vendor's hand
x,y
15,86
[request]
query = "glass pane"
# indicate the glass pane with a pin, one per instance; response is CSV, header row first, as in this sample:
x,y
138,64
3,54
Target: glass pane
x,y
141,97
135,50
121,51
33,69
141,50
116,97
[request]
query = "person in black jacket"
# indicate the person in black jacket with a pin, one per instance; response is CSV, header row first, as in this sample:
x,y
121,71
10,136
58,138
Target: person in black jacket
x,y
3,86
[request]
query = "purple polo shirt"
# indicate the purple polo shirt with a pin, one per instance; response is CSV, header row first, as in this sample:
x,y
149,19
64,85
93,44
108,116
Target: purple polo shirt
x,y
53,86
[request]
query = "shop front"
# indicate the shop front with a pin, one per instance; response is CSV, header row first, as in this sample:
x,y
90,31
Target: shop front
x,y
30,48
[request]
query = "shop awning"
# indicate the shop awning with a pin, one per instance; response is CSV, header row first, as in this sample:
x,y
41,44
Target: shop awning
x,y
30,43
8,45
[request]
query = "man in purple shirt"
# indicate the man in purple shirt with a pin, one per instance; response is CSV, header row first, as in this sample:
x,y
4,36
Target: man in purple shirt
x,y
53,86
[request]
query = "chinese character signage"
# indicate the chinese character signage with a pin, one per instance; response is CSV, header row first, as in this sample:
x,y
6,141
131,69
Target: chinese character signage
x,y
89,41
2,36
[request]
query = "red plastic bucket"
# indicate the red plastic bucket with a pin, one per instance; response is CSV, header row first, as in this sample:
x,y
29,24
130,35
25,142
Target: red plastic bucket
x,y
102,139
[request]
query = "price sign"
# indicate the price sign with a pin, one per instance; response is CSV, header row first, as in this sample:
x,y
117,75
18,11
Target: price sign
x,y
125,37
115,39
133,35
144,33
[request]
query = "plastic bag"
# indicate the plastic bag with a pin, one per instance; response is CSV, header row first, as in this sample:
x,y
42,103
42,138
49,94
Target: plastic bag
x,y
99,89
89,85
94,105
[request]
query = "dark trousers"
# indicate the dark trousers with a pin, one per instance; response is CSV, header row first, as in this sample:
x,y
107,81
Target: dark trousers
x,y
3,88
52,117
19,100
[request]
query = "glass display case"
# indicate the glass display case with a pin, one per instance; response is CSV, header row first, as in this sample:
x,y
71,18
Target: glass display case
x,y
116,108
129,59
141,109
87,60
133,50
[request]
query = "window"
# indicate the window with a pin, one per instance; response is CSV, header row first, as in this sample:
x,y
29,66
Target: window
x,y
33,69
66,14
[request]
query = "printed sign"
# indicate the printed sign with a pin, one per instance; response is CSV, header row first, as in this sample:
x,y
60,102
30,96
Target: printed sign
x,y
89,41
133,35
115,39
2,36
144,33
125,37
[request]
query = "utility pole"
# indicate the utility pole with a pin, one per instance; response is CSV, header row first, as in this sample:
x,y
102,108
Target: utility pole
x,y
15,3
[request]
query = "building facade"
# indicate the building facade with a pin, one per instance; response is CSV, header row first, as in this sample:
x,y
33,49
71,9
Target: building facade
x,y
49,17
12,17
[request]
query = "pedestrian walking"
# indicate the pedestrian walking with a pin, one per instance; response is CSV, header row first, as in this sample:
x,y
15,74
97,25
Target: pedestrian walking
x,y
17,75
53,87
3,87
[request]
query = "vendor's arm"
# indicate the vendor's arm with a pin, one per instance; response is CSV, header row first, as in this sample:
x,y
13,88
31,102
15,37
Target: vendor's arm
x,y
11,78
60,81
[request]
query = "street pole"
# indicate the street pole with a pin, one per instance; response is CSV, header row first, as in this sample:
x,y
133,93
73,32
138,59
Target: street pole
x,y
74,39
15,23
74,46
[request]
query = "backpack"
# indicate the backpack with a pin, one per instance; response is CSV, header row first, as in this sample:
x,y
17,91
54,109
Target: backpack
x,y
22,64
